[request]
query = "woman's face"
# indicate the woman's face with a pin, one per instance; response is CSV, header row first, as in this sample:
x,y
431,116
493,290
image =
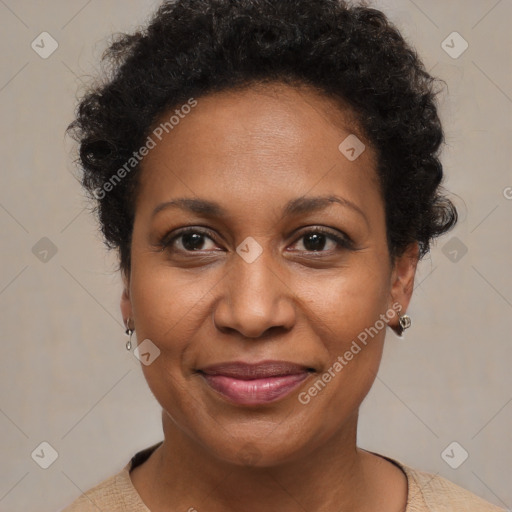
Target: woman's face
x,y
287,262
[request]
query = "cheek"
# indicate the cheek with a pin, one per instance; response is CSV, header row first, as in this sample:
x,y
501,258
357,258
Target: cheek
x,y
349,312
171,304
167,302
345,303
167,310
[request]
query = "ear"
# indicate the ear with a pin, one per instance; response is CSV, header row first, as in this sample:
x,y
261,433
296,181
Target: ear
x,y
126,303
402,281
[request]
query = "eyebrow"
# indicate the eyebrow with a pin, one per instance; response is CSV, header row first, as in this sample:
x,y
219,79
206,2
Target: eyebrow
x,y
297,206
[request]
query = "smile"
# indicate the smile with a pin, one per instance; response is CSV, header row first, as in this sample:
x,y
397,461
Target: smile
x,y
254,384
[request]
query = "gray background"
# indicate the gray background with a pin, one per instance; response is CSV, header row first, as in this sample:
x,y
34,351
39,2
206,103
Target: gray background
x,y
65,375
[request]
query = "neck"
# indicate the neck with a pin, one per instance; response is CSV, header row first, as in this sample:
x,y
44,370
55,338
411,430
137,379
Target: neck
x,y
337,476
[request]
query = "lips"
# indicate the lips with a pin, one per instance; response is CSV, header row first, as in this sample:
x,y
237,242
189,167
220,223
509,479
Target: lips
x,y
247,371
253,384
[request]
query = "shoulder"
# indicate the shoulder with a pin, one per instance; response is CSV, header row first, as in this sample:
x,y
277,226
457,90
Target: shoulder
x,y
115,494
104,494
429,492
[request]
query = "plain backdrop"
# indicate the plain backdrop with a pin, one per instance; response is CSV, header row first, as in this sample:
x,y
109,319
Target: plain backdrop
x,y
65,376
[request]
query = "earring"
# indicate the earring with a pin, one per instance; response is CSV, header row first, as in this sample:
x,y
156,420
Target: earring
x,y
404,322
129,332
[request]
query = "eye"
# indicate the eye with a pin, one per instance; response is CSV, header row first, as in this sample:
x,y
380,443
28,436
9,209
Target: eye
x,y
317,239
194,239
189,240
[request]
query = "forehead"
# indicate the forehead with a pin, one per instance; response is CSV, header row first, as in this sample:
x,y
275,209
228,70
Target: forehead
x,y
261,144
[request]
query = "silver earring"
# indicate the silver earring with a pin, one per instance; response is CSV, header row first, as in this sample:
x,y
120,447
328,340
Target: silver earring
x,y
404,322
129,332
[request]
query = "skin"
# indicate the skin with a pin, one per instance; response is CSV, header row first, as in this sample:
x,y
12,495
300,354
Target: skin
x,y
252,151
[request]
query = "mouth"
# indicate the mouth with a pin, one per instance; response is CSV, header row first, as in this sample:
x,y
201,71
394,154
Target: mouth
x,y
253,384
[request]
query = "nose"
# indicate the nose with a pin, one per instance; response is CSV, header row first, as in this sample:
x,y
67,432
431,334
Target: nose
x,y
254,298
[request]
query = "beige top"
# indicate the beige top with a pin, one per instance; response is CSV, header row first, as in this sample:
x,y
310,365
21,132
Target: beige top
x,y
426,492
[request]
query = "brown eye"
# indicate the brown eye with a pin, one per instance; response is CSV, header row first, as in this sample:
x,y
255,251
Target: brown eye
x,y
318,239
192,241
315,241
188,240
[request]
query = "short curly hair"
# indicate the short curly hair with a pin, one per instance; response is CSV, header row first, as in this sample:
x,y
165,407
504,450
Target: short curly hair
x,y
351,53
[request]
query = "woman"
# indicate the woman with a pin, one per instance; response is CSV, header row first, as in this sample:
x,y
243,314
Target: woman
x,y
268,173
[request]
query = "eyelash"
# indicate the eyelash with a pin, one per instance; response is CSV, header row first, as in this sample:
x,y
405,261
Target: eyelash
x,y
342,242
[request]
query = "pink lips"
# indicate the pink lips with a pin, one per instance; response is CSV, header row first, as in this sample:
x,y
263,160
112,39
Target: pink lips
x,y
252,384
